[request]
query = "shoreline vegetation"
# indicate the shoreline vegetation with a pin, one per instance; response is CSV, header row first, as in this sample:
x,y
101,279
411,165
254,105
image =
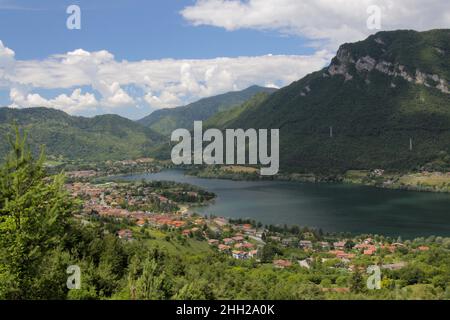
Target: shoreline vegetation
x,y
418,181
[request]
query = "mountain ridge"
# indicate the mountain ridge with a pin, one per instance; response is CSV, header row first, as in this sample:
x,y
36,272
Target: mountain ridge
x,y
164,121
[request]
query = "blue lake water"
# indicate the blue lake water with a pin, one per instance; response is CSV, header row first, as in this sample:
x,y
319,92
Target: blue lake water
x,y
332,207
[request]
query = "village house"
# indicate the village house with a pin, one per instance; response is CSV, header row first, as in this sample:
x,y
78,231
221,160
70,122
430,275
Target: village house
x,y
306,263
324,245
141,223
221,222
340,245
125,234
275,238
224,248
282,264
259,234
393,247
213,242
370,251
228,241
240,255
305,244
248,245
253,253
250,232
342,255
366,248
82,174
394,266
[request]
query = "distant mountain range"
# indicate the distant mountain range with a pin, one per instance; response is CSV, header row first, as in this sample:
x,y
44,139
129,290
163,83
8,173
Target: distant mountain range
x,y
382,103
164,121
376,99
111,137
107,137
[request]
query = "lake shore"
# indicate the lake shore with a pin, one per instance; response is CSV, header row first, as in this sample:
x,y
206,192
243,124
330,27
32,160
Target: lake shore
x,y
333,207
420,182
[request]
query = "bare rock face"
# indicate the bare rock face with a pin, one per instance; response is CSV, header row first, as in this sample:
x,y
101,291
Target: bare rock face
x,y
420,77
340,66
344,60
443,86
385,67
366,63
379,41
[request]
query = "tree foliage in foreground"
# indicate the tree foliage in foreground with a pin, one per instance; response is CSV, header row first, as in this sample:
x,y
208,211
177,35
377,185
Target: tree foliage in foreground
x,y
34,212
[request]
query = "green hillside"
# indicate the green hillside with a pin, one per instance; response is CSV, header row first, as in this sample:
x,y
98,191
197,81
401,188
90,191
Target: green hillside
x,y
377,95
107,137
166,120
224,118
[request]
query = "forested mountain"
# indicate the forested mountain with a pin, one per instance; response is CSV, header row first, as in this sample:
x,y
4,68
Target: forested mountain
x,y
382,103
106,137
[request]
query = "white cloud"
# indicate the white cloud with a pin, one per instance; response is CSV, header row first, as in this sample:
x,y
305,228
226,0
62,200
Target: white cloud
x,y
335,21
160,83
73,103
6,63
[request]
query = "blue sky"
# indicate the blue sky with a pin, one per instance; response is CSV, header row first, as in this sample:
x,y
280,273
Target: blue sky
x,y
132,30
134,56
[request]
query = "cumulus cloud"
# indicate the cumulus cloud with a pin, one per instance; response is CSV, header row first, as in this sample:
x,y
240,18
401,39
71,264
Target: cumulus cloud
x,y
73,103
6,63
335,21
164,83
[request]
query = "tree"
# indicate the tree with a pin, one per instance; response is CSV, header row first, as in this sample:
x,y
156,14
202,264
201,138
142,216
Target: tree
x,y
268,253
147,281
356,281
198,290
34,218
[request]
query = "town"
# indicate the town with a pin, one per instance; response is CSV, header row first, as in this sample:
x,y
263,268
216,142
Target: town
x,y
140,209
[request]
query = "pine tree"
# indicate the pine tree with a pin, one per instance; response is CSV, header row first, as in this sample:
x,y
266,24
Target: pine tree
x,y
34,218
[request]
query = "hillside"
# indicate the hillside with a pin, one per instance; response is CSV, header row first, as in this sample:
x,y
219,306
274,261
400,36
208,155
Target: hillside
x,y
224,118
377,95
166,120
106,137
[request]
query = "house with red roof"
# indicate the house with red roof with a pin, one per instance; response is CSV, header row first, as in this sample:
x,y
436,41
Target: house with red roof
x,y
340,245
228,241
224,248
282,264
253,253
213,242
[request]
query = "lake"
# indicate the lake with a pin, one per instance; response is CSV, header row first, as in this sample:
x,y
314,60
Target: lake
x,y
332,207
